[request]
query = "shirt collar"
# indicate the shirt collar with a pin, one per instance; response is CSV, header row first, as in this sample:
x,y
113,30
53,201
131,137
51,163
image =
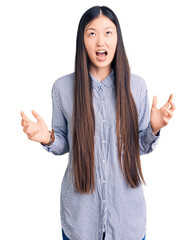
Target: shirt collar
x,y
108,81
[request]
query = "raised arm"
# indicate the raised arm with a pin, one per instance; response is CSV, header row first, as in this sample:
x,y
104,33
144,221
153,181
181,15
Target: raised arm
x,y
147,139
38,131
59,125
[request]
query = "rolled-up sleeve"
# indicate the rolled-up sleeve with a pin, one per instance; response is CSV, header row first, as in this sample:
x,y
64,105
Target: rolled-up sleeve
x,y
147,140
59,124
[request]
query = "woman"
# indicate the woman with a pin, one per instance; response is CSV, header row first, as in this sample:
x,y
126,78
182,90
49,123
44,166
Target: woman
x,y
101,117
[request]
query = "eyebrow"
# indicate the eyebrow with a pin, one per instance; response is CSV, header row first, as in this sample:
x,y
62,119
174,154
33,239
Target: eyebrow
x,y
95,29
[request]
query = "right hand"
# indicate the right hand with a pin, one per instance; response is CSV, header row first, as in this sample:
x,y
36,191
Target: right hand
x,y
36,131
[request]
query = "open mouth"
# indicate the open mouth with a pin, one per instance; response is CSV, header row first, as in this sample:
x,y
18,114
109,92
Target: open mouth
x,y
101,53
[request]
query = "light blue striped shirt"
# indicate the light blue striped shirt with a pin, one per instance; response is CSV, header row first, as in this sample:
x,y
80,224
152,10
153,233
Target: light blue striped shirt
x,y
114,207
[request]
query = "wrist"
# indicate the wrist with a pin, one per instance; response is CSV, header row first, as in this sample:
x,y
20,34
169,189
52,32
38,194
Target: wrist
x,y
154,131
50,138
47,139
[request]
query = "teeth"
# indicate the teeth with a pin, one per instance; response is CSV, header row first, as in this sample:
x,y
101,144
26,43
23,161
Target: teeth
x,y
101,51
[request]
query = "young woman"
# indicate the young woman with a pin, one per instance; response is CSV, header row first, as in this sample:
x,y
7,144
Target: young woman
x,y
101,117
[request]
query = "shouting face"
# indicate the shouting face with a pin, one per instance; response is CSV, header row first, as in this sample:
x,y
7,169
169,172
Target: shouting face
x,y
100,40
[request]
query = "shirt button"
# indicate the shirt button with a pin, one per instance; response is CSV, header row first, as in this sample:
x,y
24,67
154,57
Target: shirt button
x,y
103,200
103,141
104,120
103,161
102,101
104,181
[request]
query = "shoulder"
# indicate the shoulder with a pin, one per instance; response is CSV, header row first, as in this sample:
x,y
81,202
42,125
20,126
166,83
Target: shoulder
x,y
138,86
63,88
138,83
64,81
138,90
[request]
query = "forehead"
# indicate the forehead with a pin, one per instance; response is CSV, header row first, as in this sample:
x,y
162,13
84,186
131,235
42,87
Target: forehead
x,y
100,23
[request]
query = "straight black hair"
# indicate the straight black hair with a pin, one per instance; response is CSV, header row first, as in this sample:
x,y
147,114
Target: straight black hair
x,y
84,117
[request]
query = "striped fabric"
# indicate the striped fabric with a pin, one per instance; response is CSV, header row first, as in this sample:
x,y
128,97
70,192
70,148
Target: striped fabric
x,y
114,206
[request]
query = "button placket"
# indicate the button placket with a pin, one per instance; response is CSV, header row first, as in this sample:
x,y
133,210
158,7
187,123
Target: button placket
x,y
101,90
103,149
104,141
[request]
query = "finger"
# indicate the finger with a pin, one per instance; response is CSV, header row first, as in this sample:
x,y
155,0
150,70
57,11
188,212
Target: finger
x,y
25,128
21,113
169,100
171,97
23,123
24,117
154,102
169,112
36,115
166,120
173,107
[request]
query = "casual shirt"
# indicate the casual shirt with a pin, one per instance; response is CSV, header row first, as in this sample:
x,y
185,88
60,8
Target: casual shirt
x,y
114,207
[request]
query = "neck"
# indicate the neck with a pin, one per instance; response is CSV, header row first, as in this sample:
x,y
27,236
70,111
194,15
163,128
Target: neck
x,y
100,73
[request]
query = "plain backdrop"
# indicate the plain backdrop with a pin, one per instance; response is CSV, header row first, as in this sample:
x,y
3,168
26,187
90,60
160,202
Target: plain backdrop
x,y
37,46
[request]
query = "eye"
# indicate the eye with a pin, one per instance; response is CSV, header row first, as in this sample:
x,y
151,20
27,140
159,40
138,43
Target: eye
x,y
91,33
108,32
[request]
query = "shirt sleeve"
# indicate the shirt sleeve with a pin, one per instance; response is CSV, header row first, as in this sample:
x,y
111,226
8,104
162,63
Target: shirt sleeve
x,y
147,140
60,145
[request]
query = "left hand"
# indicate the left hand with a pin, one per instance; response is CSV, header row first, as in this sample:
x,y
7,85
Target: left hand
x,y
160,117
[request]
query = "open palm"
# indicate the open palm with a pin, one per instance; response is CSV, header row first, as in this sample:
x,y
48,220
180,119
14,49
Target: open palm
x,y
160,117
36,131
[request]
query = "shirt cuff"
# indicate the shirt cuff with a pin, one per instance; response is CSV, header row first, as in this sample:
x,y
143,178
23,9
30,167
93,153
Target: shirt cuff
x,y
158,134
150,137
53,146
47,147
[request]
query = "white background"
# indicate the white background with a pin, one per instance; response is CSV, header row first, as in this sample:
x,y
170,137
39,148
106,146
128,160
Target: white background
x,y
37,46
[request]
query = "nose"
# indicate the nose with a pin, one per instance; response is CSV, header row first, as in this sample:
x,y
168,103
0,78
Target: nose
x,y
100,45
100,41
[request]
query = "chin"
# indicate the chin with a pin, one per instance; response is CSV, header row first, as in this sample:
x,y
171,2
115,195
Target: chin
x,y
102,65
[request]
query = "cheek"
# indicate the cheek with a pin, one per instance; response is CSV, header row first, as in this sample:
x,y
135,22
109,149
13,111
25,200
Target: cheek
x,y
89,48
113,49
90,53
112,43
86,44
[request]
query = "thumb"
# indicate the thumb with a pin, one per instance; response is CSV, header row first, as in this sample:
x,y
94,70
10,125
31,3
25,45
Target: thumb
x,y
36,115
154,102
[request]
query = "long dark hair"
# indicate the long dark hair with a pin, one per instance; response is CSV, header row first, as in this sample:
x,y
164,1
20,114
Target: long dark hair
x,y
84,117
